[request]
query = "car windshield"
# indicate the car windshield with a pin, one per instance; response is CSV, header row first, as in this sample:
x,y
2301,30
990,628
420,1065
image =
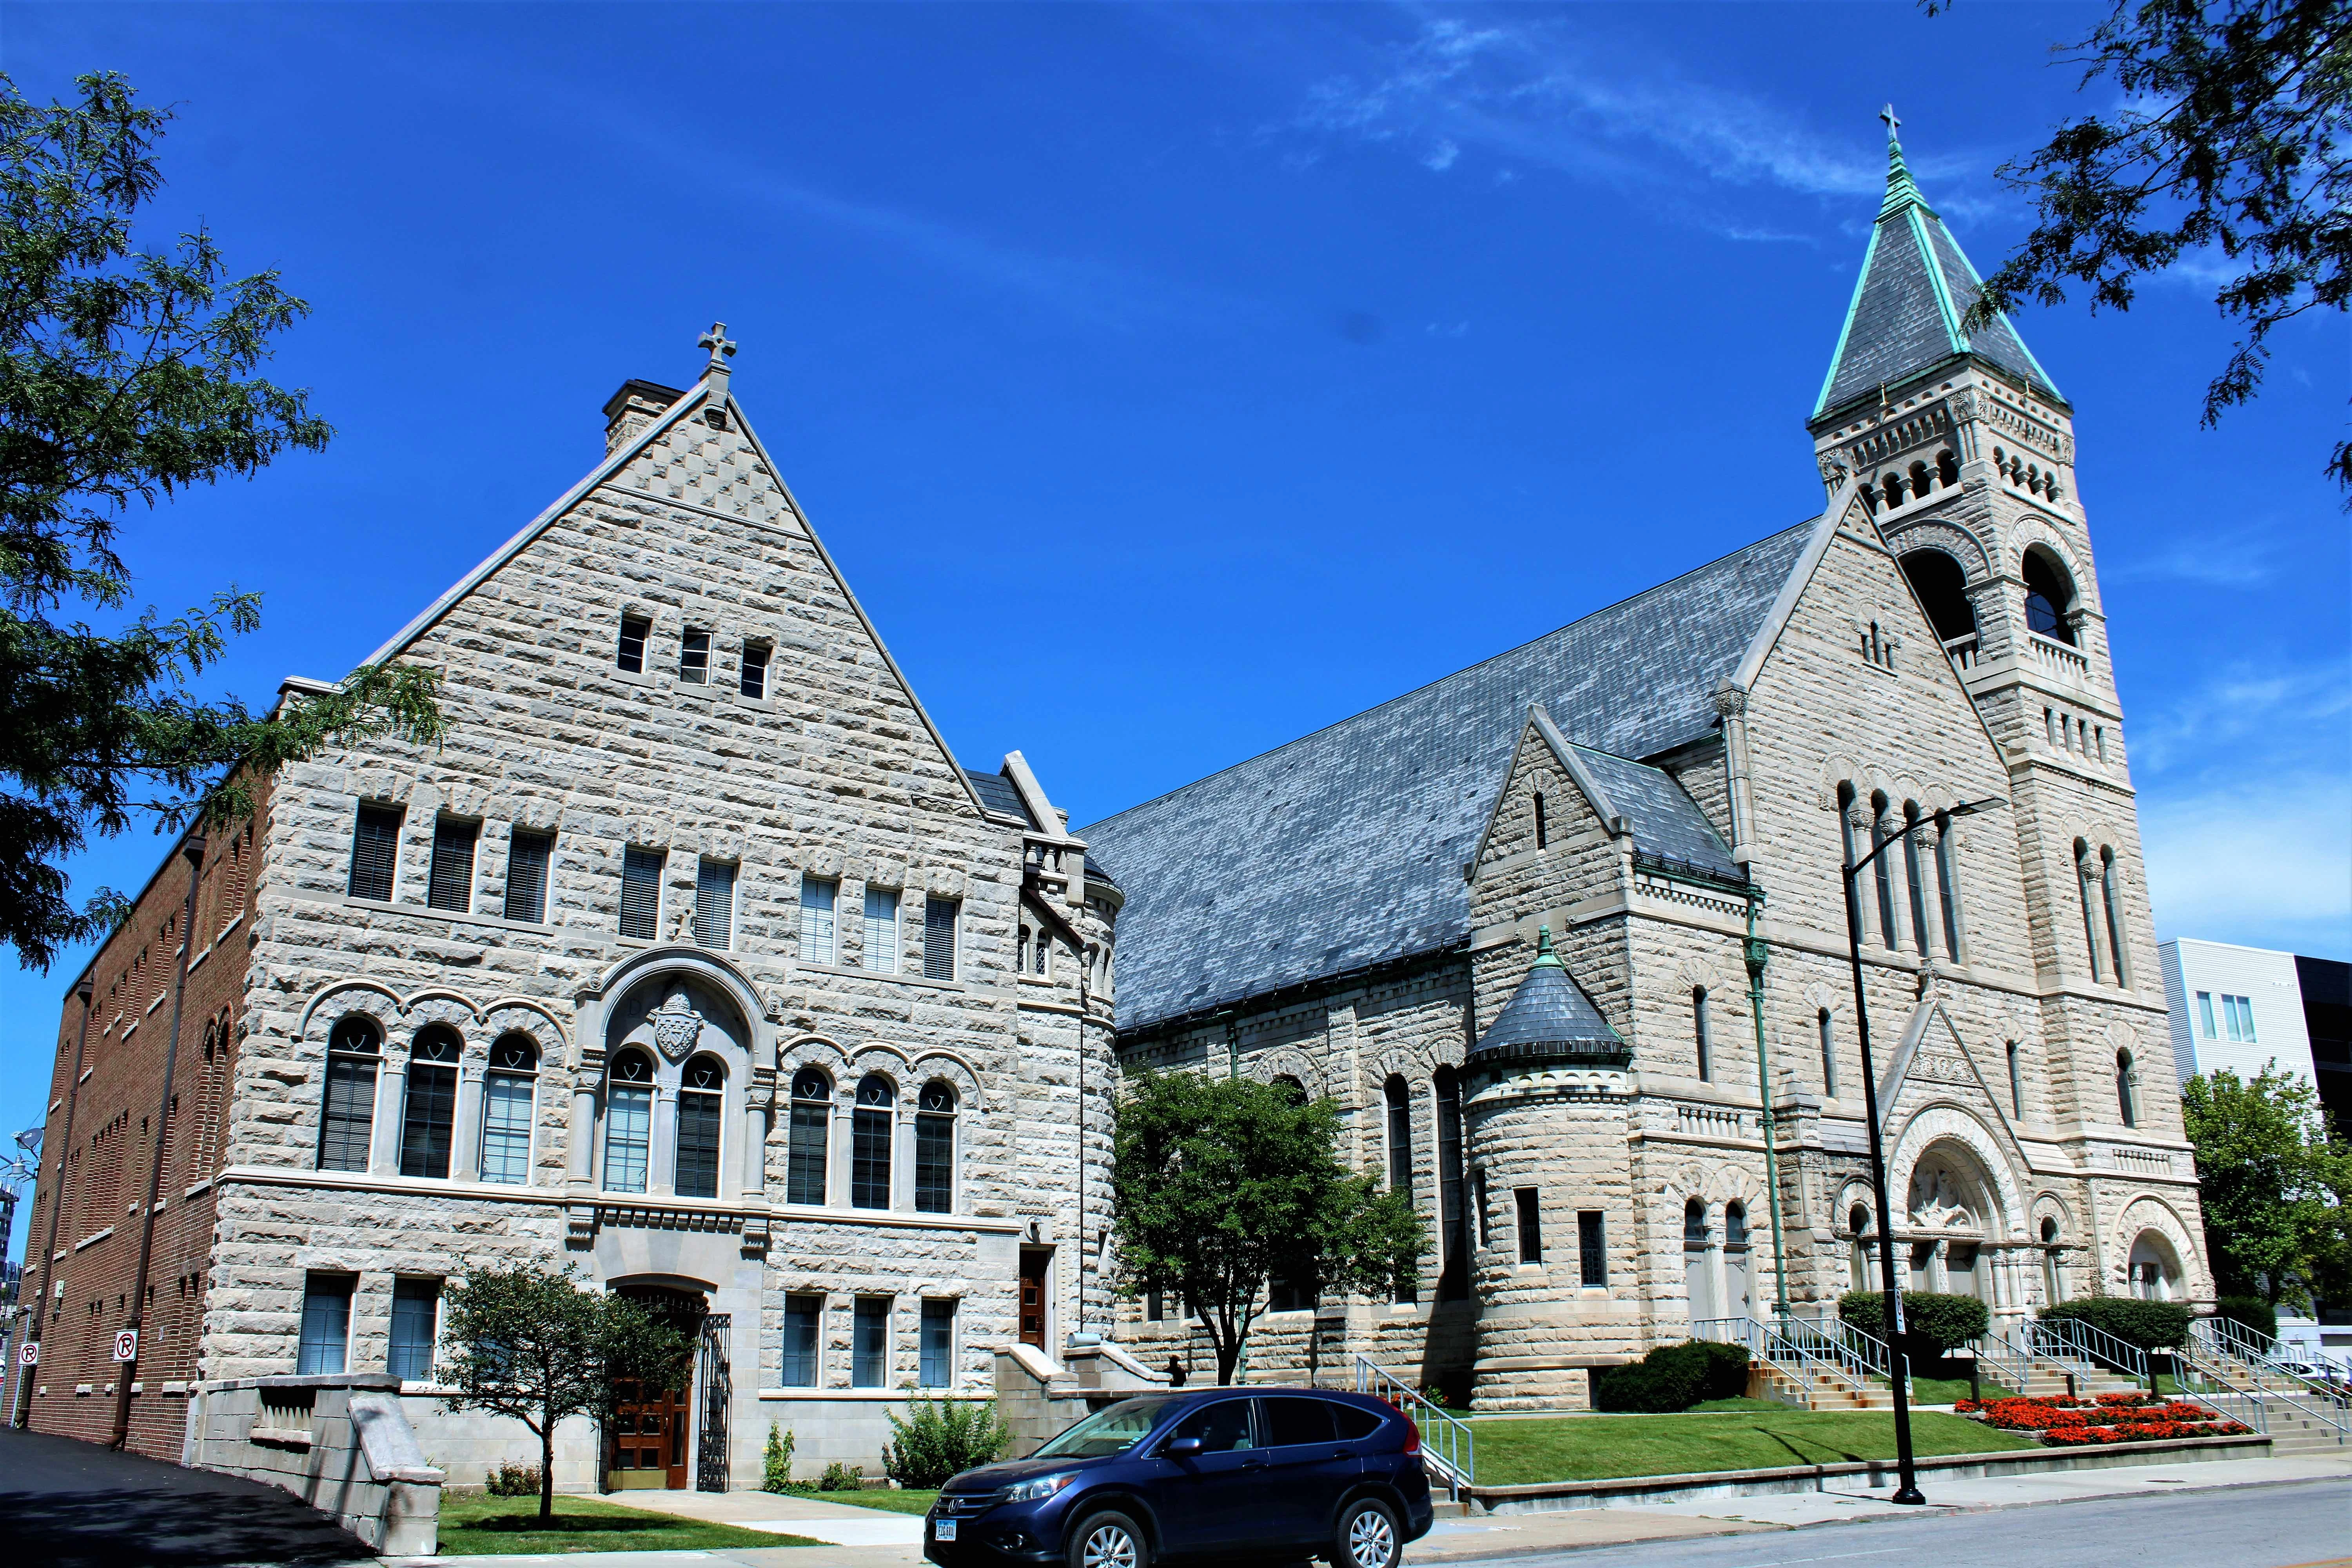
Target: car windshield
x,y
1112,1430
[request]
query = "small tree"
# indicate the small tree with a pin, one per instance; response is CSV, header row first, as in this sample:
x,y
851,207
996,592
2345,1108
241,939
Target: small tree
x,y
2272,1185
776,1463
1223,1184
536,1345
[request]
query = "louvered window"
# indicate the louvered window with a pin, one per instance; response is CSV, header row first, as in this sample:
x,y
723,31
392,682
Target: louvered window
x,y
527,854
693,657
755,670
375,849
452,882
939,920
635,630
714,903
641,874
820,942
882,929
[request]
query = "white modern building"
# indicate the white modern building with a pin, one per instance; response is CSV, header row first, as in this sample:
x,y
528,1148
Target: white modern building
x,y
2234,1007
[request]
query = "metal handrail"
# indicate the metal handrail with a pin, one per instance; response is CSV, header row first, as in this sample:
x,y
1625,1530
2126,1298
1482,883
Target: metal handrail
x,y
2189,1367
2204,1383
2004,1360
1448,1444
2088,1341
2227,1340
1847,1347
1753,1335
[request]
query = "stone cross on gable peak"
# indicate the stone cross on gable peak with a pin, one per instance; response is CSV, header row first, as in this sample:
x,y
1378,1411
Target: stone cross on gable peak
x,y
721,346
722,349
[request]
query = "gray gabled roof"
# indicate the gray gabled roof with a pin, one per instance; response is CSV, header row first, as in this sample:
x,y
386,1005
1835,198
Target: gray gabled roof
x,y
1549,1017
1916,288
1345,849
1667,821
999,794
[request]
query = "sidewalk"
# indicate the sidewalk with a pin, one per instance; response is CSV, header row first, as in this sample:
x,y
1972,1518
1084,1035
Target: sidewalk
x,y
873,1539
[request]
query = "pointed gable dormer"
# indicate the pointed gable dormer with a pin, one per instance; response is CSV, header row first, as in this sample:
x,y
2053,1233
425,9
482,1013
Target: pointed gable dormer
x,y
1548,1019
1904,322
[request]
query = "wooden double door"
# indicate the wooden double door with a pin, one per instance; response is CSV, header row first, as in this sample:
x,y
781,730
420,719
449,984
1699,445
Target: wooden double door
x,y
650,1445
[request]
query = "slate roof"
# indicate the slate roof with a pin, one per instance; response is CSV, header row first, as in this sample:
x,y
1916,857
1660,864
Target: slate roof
x,y
1915,288
996,792
1665,820
1344,848
1547,1016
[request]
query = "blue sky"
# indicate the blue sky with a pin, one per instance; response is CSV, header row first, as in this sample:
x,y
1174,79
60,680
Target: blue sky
x,y
1171,382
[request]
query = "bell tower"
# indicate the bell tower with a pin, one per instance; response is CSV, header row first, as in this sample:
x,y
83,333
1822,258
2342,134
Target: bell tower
x,y
1964,450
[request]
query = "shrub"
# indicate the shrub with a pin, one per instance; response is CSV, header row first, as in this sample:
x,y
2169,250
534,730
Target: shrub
x,y
2150,1325
1937,1324
2251,1312
841,1478
1672,1378
776,1463
512,1480
942,1437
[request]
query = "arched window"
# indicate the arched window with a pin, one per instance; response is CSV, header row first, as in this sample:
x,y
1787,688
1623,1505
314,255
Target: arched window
x,y
1021,951
806,1139
935,1141
1857,1223
628,1122
1694,1232
1829,1054
2112,909
1041,955
2048,597
2052,1290
2126,1088
429,1114
1543,835
1883,876
2086,871
1892,489
870,1129
1400,1125
1845,837
1701,1038
1914,880
1947,889
506,1109
701,1105
1948,467
1735,1224
2016,1083
1921,481
1453,1272
1941,587
354,1048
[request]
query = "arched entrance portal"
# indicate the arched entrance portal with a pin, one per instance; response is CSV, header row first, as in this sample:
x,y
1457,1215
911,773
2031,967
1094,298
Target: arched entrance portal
x,y
1951,1213
649,1442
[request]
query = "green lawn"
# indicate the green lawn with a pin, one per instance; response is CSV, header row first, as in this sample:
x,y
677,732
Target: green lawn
x,y
477,1523
905,1500
1593,1447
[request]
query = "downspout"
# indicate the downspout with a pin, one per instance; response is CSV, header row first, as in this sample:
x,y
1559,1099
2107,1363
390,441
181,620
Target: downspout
x,y
1757,955
86,990
124,1375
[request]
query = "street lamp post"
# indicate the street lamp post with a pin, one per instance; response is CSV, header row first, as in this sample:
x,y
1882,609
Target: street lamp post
x,y
1898,1368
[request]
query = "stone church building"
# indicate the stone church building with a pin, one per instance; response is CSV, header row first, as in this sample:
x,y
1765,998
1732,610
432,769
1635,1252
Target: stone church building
x,y
1359,912
692,959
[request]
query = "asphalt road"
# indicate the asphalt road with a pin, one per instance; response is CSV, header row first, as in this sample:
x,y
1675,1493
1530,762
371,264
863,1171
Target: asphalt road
x,y
2285,1526
65,1504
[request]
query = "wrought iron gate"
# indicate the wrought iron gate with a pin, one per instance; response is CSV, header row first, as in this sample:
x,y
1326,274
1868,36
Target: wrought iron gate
x,y
712,1387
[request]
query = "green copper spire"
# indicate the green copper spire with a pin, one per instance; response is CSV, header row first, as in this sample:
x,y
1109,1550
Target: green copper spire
x,y
1900,192
1545,957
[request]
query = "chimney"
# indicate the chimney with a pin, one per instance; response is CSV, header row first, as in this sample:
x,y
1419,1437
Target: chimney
x,y
628,411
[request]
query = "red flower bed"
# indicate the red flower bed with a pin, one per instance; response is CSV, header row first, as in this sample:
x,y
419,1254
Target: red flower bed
x,y
2110,1418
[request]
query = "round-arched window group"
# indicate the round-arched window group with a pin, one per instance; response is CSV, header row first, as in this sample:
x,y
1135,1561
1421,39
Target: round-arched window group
x,y
873,1138
431,1139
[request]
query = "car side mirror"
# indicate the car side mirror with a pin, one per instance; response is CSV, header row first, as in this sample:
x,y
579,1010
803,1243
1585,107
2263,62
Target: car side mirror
x,y
1182,1448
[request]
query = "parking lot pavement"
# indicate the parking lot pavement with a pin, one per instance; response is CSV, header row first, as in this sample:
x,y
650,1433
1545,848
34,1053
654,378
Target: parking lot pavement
x,y
68,1504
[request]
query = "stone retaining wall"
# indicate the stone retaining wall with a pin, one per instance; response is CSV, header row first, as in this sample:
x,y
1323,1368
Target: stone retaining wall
x,y
339,1443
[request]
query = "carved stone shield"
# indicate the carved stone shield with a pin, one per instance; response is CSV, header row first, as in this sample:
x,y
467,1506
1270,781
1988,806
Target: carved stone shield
x,y
676,1025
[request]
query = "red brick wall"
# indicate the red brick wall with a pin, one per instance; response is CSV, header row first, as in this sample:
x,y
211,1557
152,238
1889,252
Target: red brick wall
x,y
103,1163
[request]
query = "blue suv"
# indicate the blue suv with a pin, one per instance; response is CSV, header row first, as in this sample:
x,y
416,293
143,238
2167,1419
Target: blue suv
x,y
1220,1473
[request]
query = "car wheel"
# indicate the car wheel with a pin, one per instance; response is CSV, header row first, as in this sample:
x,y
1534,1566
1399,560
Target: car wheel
x,y
1108,1539
1368,1536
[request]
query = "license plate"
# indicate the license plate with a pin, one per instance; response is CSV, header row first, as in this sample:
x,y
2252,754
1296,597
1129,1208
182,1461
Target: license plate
x,y
943,1529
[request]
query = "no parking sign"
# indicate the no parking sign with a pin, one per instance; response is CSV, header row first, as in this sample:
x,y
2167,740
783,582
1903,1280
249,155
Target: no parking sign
x,y
126,1345
29,1353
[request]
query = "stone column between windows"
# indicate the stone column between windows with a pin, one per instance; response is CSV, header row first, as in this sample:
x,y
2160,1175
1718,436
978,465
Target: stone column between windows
x,y
580,1147
466,1122
390,1106
759,1118
661,1142
902,1151
1717,1286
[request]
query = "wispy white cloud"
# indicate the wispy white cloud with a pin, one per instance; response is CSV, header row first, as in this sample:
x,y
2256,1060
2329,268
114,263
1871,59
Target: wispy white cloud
x,y
2243,716
2241,557
1540,94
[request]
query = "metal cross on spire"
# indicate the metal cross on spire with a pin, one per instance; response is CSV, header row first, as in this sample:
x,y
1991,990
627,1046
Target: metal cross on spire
x,y
1888,115
721,346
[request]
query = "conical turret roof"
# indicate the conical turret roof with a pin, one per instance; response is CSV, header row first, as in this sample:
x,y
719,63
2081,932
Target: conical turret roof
x,y
1915,287
1549,1017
